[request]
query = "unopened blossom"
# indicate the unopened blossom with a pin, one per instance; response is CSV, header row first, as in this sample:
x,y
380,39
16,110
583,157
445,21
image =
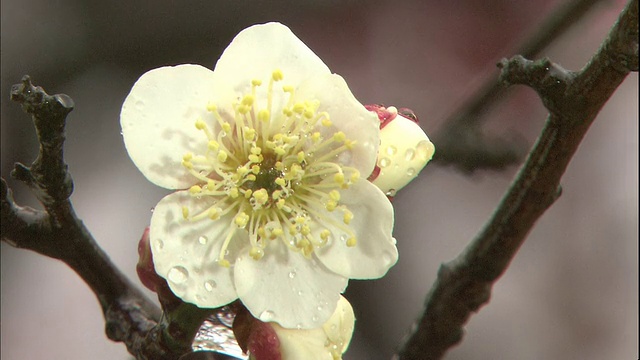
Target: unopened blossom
x,y
405,149
269,155
270,341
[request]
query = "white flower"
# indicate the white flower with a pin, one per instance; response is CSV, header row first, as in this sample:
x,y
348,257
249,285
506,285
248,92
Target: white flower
x,y
328,342
404,151
269,153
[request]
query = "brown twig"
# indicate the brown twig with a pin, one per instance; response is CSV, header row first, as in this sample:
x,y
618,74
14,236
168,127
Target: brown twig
x,y
57,232
461,141
573,101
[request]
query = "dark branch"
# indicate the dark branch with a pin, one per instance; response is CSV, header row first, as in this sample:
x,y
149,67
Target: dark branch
x,y
573,101
57,232
461,141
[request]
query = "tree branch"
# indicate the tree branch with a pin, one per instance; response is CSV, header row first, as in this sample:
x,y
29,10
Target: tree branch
x,y
573,101
461,141
57,232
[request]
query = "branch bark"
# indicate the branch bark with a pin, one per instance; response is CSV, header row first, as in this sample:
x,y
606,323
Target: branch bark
x,y
573,100
461,141
57,232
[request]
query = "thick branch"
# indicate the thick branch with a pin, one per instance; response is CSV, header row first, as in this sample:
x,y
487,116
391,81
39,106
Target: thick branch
x,y
461,141
57,232
573,100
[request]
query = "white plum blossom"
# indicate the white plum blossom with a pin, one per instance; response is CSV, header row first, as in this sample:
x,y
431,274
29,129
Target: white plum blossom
x,y
269,155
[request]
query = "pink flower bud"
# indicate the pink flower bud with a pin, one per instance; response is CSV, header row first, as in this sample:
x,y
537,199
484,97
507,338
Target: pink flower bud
x,y
145,268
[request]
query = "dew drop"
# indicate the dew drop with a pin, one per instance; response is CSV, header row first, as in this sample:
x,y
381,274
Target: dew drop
x,y
299,326
384,162
121,133
411,172
292,274
152,209
300,293
210,285
394,241
334,327
199,298
424,149
267,316
203,240
314,318
391,150
139,105
391,192
178,275
159,244
343,237
409,154
319,307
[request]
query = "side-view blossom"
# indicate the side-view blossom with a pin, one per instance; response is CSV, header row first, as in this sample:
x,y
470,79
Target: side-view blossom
x,y
404,150
270,341
268,154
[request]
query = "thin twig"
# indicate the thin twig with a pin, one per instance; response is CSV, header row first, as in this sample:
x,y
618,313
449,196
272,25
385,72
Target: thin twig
x,y
573,101
461,141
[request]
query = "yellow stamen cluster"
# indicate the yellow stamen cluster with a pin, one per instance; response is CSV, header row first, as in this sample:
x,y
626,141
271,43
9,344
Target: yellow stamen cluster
x,y
274,172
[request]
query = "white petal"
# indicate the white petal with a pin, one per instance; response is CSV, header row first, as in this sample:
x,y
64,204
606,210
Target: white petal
x,y
404,150
158,118
339,328
287,288
303,344
185,252
348,116
375,251
259,50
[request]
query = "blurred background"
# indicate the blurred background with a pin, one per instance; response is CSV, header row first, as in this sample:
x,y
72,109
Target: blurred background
x,y
570,293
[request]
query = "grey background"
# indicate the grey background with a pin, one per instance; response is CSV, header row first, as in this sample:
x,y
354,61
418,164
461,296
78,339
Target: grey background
x,y
571,292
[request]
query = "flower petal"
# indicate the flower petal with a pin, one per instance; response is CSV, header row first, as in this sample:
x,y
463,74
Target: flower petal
x,y
185,252
348,116
375,251
287,288
259,50
158,118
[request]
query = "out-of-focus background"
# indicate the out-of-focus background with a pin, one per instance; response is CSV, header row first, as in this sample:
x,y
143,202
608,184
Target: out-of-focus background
x,y
571,292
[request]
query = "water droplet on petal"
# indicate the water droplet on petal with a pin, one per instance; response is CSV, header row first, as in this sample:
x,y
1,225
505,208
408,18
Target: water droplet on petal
x,y
424,150
178,275
411,172
319,307
384,162
139,105
394,241
409,154
300,293
314,318
210,285
343,237
391,150
292,274
299,326
391,192
152,209
203,240
159,244
267,316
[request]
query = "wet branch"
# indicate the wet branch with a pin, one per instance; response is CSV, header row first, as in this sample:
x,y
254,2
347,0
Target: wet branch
x,y
57,232
461,141
573,100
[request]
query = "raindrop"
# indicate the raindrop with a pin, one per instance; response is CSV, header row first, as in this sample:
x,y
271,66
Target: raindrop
x,y
152,209
203,240
159,244
267,316
199,298
210,285
300,292
178,275
391,150
394,241
334,327
139,105
292,274
319,307
314,318
299,326
411,172
343,237
384,162
391,192
121,133
424,149
409,154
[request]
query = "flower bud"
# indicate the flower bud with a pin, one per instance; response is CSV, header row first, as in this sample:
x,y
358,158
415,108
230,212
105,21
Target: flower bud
x,y
270,341
145,268
404,148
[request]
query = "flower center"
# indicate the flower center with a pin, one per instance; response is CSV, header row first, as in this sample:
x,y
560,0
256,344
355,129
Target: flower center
x,y
278,172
